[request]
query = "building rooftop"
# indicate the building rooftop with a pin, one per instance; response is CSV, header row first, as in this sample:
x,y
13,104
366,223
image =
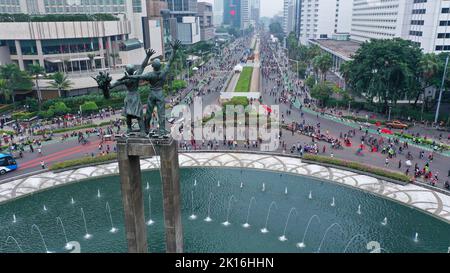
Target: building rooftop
x,y
345,49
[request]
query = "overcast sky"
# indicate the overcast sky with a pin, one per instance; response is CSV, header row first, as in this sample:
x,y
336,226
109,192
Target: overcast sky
x,y
268,7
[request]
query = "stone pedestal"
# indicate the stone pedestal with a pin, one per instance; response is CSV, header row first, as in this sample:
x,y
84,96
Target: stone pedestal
x,y
129,152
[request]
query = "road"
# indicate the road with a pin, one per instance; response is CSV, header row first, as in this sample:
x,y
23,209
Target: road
x,y
214,75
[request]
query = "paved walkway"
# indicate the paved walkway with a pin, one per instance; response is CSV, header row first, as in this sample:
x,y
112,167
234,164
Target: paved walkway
x,y
423,199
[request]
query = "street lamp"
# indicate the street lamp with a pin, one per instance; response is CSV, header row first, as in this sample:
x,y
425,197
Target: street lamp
x,y
390,108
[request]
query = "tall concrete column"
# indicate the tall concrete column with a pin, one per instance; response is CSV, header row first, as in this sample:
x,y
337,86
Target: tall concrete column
x,y
40,53
102,51
172,198
19,55
132,198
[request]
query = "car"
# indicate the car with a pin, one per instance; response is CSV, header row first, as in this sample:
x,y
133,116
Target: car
x,y
397,125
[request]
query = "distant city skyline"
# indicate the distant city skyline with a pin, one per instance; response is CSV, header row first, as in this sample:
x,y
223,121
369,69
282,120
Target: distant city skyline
x,y
268,7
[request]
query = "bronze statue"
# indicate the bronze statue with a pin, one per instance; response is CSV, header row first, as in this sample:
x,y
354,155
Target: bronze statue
x,y
132,104
156,79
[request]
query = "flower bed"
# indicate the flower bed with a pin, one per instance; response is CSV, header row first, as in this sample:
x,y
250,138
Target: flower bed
x,y
83,161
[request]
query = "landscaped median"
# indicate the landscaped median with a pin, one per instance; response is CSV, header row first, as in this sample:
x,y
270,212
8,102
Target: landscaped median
x,y
83,162
245,80
358,167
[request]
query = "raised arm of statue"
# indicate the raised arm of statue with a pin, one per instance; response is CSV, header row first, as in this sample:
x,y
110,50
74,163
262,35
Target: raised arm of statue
x,y
149,54
175,46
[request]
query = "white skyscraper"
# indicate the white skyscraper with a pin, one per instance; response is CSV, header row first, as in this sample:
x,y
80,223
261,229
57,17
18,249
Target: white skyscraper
x,y
423,22
245,14
218,12
320,19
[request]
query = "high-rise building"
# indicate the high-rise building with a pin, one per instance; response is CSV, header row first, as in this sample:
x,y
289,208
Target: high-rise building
x,y
423,22
245,14
184,22
320,19
205,14
218,12
255,10
232,13
288,16
298,16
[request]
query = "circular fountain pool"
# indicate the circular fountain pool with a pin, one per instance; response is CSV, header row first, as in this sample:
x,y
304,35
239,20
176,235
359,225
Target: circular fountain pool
x,y
264,211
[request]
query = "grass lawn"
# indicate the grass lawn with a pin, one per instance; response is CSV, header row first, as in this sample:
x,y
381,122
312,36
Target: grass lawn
x,y
245,80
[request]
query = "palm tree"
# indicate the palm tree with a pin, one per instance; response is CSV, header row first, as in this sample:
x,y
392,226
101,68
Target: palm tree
x,y
36,70
323,64
428,67
4,90
60,82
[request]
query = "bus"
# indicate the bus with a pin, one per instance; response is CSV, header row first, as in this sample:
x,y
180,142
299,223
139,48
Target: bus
x,y
7,163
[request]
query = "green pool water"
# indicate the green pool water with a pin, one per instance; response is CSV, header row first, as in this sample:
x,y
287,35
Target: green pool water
x,y
355,233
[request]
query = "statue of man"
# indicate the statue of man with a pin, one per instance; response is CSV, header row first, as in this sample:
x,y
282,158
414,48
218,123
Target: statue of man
x,y
157,79
132,103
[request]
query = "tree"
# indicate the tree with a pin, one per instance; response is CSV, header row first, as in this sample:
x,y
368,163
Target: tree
x,y
428,68
322,63
384,71
60,108
310,82
16,79
89,107
36,70
322,92
276,30
5,91
60,82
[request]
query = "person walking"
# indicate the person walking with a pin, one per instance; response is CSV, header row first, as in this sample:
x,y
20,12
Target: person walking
x,y
386,163
400,164
43,165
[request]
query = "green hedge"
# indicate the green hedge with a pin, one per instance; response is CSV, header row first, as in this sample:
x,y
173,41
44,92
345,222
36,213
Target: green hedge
x,y
71,129
237,101
360,119
83,161
245,80
421,140
358,166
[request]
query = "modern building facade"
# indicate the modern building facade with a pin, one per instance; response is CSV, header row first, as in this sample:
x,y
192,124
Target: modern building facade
x,y
237,13
298,16
425,22
133,10
205,13
288,16
255,10
184,22
320,19
69,46
218,12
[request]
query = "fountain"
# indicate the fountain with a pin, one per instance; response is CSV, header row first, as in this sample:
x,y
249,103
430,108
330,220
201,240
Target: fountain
x,y
113,229
87,236
286,191
333,203
147,187
416,237
208,218
17,244
45,208
227,223
59,221
310,195
247,225
195,182
242,185
326,232
98,193
34,226
448,250
218,183
283,237
302,243
14,219
72,201
193,216
264,187
359,210
385,221
351,240
150,221
264,229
